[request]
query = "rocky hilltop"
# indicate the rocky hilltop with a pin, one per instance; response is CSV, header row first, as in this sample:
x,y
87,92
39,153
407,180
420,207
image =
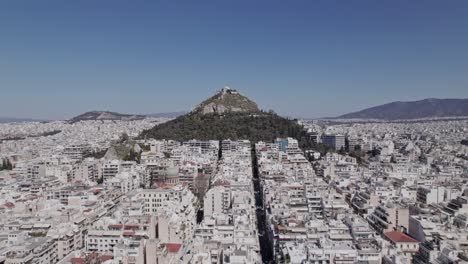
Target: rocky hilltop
x,y
226,100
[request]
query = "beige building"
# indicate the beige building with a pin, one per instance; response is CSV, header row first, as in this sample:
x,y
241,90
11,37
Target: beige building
x,y
403,244
389,217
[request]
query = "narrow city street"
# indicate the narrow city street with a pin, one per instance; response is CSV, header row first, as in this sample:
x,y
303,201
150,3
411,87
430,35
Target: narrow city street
x,y
266,246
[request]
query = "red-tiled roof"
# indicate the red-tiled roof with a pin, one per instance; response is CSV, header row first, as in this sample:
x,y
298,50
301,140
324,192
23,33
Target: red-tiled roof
x,y
106,257
280,227
77,260
117,226
161,185
9,205
128,233
399,237
221,183
173,248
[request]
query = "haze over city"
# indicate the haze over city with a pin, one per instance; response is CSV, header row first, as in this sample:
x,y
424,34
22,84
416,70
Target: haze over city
x,y
301,58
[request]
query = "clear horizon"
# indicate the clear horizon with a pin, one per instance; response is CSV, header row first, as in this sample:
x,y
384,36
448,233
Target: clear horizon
x,y
302,58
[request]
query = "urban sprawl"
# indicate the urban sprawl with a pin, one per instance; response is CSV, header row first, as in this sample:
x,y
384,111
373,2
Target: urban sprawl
x,y
380,193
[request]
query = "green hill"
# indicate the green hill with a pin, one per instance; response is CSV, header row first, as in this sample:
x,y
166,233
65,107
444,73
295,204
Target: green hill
x,y
253,126
239,118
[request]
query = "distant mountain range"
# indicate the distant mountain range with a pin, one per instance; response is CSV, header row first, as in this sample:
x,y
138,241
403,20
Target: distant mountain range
x,y
16,120
98,115
230,101
427,108
167,115
107,115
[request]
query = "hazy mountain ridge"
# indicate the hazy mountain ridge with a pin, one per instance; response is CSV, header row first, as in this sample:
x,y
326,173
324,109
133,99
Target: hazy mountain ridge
x,y
427,108
105,115
17,120
167,114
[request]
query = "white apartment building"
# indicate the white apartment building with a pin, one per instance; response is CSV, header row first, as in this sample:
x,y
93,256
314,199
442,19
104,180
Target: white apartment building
x,y
217,201
110,168
69,238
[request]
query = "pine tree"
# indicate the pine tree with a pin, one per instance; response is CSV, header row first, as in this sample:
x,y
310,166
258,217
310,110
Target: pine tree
x,y
9,165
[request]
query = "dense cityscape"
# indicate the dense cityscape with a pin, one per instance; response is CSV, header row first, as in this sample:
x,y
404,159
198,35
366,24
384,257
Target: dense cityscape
x,y
343,140
97,191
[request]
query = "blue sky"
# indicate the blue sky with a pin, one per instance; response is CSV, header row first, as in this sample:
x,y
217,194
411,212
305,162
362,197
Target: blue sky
x,y
300,58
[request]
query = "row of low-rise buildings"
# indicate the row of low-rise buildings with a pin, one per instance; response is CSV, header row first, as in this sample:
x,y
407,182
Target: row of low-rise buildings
x,y
228,232
60,205
308,221
398,196
408,181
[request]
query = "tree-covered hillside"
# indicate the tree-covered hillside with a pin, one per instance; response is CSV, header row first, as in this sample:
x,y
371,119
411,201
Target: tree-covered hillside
x,y
253,126
230,115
